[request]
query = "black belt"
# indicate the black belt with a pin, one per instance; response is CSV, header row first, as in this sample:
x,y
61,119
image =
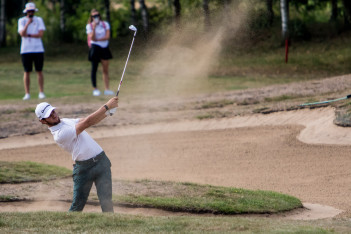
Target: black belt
x,y
92,160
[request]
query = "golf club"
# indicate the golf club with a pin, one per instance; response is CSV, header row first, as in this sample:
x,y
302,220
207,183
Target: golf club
x,y
133,28
325,102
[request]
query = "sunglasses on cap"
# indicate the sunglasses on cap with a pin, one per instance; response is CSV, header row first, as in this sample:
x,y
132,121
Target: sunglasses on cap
x,y
95,16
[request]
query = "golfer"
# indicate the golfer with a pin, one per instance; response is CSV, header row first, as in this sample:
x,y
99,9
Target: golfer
x,y
91,163
31,28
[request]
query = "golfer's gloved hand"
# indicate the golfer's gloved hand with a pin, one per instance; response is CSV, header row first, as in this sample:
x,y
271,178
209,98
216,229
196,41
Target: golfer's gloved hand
x,y
112,105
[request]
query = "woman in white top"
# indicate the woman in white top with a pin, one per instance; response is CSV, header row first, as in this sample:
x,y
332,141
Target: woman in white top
x,y
31,28
98,39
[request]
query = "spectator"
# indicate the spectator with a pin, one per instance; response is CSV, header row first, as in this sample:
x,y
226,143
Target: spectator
x,y
31,28
98,39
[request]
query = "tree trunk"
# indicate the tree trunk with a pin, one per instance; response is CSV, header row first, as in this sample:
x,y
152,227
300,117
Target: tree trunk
x,y
133,12
2,23
347,13
207,14
227,3
284,10
177,10
108,18
62,17
144,15
227,10
53,3
270,13
23,3
334,10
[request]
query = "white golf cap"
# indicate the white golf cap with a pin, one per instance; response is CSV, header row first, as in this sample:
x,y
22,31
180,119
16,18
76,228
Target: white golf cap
x,y
30,6
44,110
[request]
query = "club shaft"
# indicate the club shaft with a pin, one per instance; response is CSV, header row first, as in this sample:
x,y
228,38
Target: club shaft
x,y
325,102
125,66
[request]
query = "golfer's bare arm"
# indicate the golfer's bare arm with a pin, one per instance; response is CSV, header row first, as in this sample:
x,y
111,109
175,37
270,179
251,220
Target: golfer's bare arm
x,y
95,117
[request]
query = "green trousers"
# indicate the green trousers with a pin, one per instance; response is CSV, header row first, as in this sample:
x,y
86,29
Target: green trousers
x,y
96,170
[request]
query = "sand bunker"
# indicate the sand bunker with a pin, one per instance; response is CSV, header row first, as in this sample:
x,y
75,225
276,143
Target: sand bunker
x,y
267,152
318,123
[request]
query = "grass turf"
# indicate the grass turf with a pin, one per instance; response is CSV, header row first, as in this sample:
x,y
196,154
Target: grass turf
x,y
241,67
55,222
19,172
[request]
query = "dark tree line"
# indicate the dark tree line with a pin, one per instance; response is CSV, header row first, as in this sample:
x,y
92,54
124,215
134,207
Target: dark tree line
x,y
12,9
144,14
2,23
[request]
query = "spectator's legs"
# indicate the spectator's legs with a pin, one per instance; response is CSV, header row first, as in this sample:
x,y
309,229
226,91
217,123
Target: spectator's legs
x,y
38,59
105,75
41,81
26,81
94,68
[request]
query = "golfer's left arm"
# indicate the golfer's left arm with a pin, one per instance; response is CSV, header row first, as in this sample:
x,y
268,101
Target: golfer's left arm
x,y
96,117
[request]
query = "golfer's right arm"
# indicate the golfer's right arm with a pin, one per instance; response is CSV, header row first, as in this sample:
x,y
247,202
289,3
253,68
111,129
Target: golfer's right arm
x,y
95,117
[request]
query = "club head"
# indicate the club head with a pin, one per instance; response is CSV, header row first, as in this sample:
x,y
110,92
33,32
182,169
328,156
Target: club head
x,y
133,28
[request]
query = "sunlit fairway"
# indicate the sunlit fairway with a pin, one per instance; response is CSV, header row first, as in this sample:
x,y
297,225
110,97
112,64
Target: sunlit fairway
x,y
20,172
68,75
112,223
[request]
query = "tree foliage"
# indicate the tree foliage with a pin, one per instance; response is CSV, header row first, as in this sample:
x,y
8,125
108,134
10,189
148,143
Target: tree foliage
x,y
65,20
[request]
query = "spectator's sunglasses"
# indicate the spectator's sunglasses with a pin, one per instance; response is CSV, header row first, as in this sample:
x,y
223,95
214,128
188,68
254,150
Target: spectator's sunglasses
x,y
95,16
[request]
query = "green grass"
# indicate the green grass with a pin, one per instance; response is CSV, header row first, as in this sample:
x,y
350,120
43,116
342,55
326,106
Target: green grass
x,y
8,198
205,116
196,198
279,98
67,74
18,172
218,104
188,197
55,222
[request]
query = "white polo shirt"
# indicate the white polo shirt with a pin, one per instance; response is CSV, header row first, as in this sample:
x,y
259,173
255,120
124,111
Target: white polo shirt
x,y
82,147
100,32
30,44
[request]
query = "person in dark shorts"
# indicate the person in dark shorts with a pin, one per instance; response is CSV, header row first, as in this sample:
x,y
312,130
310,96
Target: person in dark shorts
x,y
91,163
98,40
31,28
